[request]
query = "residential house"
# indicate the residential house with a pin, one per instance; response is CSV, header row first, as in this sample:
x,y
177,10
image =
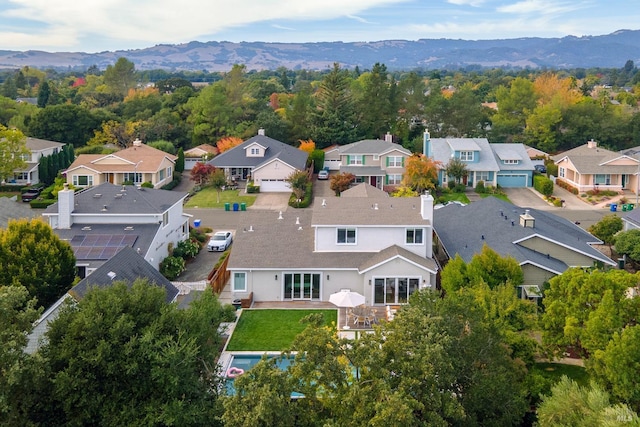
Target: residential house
x,y
374,161
506,165
100,220
136,164
534,153
378,246
38,148
544,244
126,265
631,220
265,161
201,153
589,167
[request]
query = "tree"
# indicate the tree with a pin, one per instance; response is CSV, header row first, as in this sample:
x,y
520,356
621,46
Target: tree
x,y
201,173
217,179
572,405
514,105
456,168
13,148
606,229
180,160
421,173
375,103
120,77
227,143
64,123
34,257
43,94
156,363
163,145
628,243
341,182
308,146
298,180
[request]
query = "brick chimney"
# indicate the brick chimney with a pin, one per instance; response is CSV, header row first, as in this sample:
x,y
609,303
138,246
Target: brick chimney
x,y
65,207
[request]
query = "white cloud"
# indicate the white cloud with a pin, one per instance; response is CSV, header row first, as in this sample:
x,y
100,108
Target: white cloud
x,y
359,19
548,7
475,3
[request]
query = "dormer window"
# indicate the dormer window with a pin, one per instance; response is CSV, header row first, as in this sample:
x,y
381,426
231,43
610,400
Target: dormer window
x,y
511,162
466,156
255,151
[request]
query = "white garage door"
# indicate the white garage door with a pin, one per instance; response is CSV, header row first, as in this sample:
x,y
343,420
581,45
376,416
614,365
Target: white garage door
x,y
274,186
333,165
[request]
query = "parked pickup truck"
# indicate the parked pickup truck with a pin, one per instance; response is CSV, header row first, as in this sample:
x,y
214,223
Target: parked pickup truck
x,y
31,194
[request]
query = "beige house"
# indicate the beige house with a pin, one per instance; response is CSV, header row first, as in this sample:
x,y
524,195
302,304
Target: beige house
x,y
136,164
589,167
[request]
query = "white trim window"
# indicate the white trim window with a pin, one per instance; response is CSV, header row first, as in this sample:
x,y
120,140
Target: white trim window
x,y
561,172
161,174
466,156
239,281
414,236
394,290
482,176
82,180
356,160
165,218
394,179
395,161
255,151
346,236
602,179
511,162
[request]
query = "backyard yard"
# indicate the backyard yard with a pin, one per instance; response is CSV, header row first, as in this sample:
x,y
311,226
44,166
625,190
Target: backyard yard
x,y
272,329
208,198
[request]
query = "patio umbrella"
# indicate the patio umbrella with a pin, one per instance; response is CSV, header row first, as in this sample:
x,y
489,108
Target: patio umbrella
x,y
346,298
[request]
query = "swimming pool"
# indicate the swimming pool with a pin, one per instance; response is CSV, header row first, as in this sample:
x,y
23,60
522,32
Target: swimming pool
x,y
241,363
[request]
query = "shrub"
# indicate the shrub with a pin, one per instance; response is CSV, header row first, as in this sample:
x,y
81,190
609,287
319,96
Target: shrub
x,y
572,189
459,188
252,188
451,185
146,184
41,204
172,266
304,202
543,185
200,234
187,249
177,177
480,187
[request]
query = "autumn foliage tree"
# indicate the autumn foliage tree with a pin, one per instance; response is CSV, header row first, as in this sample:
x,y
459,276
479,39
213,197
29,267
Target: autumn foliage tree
x,y
227,143
307,145
421,173
341,182
202,172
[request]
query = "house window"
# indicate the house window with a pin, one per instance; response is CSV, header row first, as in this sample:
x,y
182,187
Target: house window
x,y
376,157
511,162
394,290
602,179
466,156
239,282
482,176
82,180
394,161
132,177
301,286
356,160
169,172
394,179
165,218
346,236
25,157
561,172
414,236
255,151
21,176
161,174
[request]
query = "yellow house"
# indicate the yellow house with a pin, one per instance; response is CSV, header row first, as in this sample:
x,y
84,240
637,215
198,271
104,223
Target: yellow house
x,y
137,164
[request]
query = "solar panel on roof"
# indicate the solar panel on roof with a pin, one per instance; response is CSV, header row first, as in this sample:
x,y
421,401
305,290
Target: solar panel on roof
x,y
81,252
100,246
77,240
129,239
103,239
90,240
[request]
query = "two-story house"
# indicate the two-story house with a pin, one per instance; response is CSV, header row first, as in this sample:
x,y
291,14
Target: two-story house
x,y
378,246
101,220
374,161
38,148
265,161
506,165
136,164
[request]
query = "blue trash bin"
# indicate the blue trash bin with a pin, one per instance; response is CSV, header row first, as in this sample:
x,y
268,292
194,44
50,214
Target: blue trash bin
x,y
236,206
196,223
614,207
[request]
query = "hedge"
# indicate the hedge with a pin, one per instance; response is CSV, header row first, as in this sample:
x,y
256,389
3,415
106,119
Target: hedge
x,y
306,201
543,185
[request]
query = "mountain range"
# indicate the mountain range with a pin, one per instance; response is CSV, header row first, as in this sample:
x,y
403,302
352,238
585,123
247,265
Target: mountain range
x,y
609,51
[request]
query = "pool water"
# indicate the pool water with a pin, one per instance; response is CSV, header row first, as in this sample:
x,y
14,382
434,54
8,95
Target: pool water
x,y
248,361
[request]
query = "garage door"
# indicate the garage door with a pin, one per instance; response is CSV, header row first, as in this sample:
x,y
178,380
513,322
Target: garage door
x,y
512,180
333,165
274,186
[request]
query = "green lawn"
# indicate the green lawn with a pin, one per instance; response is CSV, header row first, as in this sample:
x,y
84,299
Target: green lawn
x,y
9,194
454,197
499,196
554,371
272,330
208,198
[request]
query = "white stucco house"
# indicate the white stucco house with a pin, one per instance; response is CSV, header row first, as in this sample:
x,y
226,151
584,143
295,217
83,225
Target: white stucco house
x,y
265,161
101,220
363,241
37,148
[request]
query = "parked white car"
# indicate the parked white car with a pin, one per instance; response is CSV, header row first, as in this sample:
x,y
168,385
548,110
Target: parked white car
x,y
220,241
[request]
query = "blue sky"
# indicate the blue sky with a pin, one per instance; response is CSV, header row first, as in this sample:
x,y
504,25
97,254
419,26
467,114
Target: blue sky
x,y
99,25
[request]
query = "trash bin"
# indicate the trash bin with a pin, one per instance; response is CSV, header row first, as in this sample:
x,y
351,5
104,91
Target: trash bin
x,y
227,206
237,303
630,208
614,207
196,223
624,207
235,207
243,206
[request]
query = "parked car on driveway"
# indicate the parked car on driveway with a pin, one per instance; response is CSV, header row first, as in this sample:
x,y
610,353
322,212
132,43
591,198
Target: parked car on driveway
x,y
323,174
540,168
220,241
31,194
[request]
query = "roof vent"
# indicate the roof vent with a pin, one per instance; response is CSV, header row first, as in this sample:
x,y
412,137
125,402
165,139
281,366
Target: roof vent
x,y
111,275
324,202
104,208
300,228
123,188
87,228
251,228
482,237
375,206
526,220
128,228
297,220
280,215
97,196
118,196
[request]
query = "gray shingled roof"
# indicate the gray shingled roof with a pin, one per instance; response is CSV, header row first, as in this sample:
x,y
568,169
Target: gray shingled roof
x,y
371,146
633,217
120,199
36,144
11,209
443,148
127,266
461,230
236,157
504,151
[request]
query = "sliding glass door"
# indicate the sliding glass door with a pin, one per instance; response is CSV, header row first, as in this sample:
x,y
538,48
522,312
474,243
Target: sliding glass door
x,y
302,286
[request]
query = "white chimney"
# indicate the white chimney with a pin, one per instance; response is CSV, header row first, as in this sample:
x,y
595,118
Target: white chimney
x,y
426,144
261,132
65,207
592,144
526,220
137,142
388,137
426,207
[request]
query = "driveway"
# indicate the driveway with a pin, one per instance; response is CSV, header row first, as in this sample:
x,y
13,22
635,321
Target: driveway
x,y
271,201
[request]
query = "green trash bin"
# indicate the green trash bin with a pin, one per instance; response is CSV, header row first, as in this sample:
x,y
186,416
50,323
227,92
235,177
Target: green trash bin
x,y
227,206
630,207
624,207
243,206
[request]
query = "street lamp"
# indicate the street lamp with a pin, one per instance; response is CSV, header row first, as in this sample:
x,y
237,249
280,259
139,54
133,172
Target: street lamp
x,y
135,173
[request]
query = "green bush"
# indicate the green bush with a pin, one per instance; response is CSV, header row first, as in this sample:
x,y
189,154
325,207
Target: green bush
x,y
543,185
304,202
459,188
200,234
317,156
480,187
146,184
41,203
187,249
172,266
252,188
451,185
